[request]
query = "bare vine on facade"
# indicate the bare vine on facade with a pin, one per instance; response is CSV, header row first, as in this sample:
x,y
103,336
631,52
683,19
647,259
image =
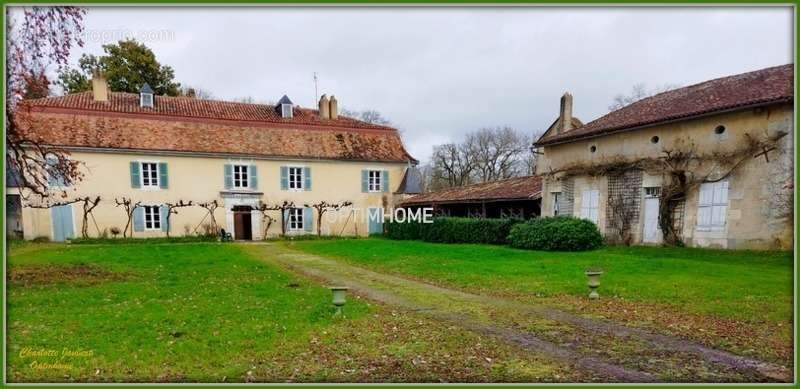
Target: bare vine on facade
x,y
322,207
129,207
682,168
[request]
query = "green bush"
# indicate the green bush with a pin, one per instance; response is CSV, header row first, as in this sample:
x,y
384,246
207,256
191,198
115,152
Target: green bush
x,y
454,230
556,234
403,231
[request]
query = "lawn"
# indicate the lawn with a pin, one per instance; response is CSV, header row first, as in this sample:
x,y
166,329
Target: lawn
x,y
208,312
738,284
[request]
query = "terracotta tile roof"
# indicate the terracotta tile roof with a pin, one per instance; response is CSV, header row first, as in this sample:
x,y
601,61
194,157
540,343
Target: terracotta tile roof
x,y
189,125
765,86
518,188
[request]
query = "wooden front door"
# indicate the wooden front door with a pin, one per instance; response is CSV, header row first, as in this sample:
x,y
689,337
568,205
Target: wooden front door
x,y
242,223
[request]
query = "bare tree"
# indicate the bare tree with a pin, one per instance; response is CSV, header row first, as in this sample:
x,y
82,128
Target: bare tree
x,y
211,207
39,38
324,206
282,207
196,93
172,209
638,92
368,115
130,207
498,153
452,165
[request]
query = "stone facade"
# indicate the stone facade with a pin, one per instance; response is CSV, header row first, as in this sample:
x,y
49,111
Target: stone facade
x,y
754,202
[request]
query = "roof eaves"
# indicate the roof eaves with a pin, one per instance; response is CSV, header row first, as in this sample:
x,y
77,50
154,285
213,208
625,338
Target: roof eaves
x,y
620,129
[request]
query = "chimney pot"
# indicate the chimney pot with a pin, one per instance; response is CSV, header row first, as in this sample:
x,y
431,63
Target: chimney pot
x,y
565,114
99,87
324,107
334,112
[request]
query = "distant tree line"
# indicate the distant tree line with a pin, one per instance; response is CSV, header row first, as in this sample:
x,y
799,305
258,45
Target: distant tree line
x,y
488,154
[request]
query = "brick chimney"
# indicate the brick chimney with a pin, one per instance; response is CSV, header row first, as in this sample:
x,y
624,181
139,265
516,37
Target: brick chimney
x,y
324,107
334,112
565,114
99,87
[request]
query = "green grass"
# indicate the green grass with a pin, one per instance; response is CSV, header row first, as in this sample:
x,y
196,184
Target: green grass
x,y
742,285
210,312
199,311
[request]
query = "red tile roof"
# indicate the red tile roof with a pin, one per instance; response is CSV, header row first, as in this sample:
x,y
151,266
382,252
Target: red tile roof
x,y
518,188
183,124
760,87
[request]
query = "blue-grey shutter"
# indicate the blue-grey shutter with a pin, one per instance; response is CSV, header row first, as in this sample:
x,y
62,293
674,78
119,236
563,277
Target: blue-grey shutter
x,y
163,178
365,181
138,219
306,178
308,219
253,177
162,213
284,178
384,180
285,219
135,182
228,176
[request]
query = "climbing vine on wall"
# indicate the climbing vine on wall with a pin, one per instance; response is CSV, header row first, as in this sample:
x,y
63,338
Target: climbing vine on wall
x,y
682,168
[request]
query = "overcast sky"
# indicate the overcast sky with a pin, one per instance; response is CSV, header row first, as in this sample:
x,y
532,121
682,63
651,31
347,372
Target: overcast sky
x,y
438,73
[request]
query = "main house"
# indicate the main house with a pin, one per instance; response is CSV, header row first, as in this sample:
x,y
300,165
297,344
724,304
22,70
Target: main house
x,y
160,150
709,165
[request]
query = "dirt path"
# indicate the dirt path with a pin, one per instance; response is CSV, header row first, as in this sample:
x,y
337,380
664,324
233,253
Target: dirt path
x,y
607,349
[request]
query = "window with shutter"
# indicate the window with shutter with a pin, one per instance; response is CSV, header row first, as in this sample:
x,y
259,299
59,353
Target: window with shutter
x,y
296,178
712,206
152,217
590,202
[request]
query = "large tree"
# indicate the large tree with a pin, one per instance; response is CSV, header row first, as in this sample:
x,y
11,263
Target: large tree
x,y
488,154
127,65
37,38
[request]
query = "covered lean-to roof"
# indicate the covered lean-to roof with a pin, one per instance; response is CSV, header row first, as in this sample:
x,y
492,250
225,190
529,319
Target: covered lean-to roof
x,y
182,124
518,188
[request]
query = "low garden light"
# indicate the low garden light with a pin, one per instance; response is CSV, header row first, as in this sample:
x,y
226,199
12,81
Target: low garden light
x,y
339,297
594,282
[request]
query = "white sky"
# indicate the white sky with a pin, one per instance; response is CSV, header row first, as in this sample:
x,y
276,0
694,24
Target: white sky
x,y
439,72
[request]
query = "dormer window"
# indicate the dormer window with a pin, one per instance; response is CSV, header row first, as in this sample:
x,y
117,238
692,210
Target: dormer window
x,y
286,110
146,96
285,107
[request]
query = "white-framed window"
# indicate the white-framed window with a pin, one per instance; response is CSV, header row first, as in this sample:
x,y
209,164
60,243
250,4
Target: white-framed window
x,y
712,207
286,110
556,198
146,100
295,219
296,177
149,174
241,176
374,181
652,191
152,217
590,202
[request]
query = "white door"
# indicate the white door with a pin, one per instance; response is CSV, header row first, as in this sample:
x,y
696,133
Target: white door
x,y
652,234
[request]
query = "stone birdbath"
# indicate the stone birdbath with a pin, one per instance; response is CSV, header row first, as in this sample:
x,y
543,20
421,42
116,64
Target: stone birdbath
x,y
339,298
594,282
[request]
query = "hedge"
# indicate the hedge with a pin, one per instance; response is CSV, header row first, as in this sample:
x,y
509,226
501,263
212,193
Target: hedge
x,y
556,234
453,230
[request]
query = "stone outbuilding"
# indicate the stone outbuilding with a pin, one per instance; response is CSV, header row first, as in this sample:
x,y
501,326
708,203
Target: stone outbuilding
x,y
707,165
